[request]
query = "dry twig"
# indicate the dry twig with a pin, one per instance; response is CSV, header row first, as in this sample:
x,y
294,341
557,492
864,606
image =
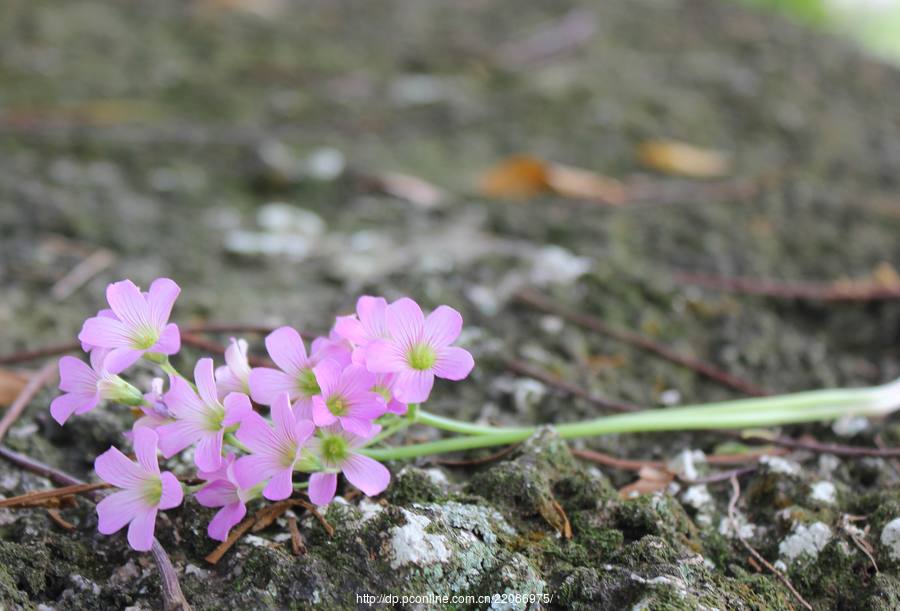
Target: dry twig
x,y
847,291
34,385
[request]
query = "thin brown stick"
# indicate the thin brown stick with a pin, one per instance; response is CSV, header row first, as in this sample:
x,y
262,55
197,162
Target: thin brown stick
x,y
39,468
298,546
35,384
732,503
236,533
42,496
60,521
542,302
846,291
82,273
550,379
721,476
197,341
173,597
827,448
625,464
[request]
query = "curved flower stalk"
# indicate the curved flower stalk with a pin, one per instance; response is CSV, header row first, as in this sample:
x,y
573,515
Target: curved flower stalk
x,y
331,410
144,491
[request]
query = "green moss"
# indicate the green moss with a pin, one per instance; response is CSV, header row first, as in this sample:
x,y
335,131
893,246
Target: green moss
x,y
414,485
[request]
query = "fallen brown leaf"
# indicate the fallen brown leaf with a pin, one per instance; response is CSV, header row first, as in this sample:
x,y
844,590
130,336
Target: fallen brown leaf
x,y
410,188
556,517
650,480
681,159
524,176
11,384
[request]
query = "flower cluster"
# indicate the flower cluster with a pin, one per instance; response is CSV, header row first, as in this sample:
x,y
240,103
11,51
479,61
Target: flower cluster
x,y
325,404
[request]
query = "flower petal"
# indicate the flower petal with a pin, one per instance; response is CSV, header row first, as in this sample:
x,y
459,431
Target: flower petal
x,y
328,376
357,426
128,304
237,406
225,520
280,486
283,416
104,332
140,531
204,376
121,359
443,326
208,453
115,468
63,406
169,341
322,416
371,311
76,376
118,509
383,356
182,401
367,474
350,329
266,384
405,321
322,487
178,435
286,348
172,493
145,442
252,469
413,386
453,363
256,434
218,493
160,299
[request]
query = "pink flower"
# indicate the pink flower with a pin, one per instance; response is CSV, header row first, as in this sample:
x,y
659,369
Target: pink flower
x,y
295,376
86,386
224,491
346,398
235,374
274,452
144,491
200,419
366,326
140,324
384,386
419,349
335,449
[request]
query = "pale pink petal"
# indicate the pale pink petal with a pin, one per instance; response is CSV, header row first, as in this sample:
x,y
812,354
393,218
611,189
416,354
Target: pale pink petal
x,y
303,430
283,415
280,486
266,384
413,386
367,474
182,401
208,453
385,357
328,376
237,406
140,531
322,416
217,494
363,428
225,520
322,487
118,509
236,358
104,332
176,436
256,434
128,303
75,376
453,363
371,311
443,326
324,348
160,298
303,408
350,329
145,442
286,348
172,493
354,380
405,321
115,468
169,341
63,406
205,378
120,359
252,469
370,409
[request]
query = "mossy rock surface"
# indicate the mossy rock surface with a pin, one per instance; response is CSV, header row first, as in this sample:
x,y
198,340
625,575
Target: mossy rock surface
x,y
231,146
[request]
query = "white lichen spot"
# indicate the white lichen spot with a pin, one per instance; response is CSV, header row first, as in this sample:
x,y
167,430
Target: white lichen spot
x,y
697,497
848,426
780,565
805,541
890,538
437,477
556,265
823,492
745,529
369,509
777,464
687,462
412,545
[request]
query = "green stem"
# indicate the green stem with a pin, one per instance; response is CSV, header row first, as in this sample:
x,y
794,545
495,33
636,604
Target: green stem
x,y
167,367
741,413
232,440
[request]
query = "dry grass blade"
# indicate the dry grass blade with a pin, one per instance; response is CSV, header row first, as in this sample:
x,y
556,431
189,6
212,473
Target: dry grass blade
x,y
298,546
31,499
35,384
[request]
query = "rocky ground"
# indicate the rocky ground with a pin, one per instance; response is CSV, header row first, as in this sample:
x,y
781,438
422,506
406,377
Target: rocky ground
x,y
234,147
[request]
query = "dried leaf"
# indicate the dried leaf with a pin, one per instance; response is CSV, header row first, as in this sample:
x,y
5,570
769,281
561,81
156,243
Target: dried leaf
x,y
683,159
518,177
410,188
11,385
556,517
651,480
524,176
